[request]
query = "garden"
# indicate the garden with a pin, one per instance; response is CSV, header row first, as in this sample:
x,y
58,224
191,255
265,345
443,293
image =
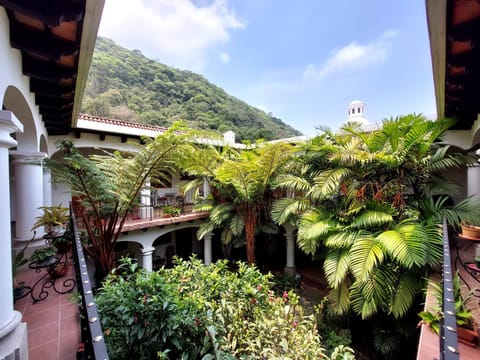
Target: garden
x,y
366,206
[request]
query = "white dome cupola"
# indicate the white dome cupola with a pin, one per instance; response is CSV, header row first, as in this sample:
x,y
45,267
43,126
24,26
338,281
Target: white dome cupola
x,y
356,112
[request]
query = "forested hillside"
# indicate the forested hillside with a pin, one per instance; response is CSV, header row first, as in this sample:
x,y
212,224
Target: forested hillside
x,y
126,85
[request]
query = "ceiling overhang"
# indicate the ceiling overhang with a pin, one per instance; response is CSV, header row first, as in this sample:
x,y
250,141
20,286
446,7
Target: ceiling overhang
x,y
454,30
56,41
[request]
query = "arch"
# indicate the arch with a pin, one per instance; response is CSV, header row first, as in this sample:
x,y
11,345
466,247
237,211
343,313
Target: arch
x,y
147,238
15,102
43,144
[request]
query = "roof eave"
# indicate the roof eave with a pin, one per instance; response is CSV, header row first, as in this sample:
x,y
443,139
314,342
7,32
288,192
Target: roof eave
x,y
93,14
437,31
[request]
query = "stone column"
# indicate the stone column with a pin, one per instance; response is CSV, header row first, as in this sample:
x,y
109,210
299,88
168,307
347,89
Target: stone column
x,y
290,266
473,181
12,335
47,188
207,249
28,192
147,258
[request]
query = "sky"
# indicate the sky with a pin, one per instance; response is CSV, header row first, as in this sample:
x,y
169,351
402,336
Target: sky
x,y
303,61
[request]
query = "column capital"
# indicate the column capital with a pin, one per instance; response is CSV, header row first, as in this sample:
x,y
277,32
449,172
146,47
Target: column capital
x,y
28,157
8,124
148,250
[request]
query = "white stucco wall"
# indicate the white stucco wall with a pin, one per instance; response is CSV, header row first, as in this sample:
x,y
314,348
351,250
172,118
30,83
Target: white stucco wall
x,y
22,106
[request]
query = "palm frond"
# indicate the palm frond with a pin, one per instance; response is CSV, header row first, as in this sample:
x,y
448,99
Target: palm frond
x,y
405,243
336,266
293,183
340,299
328,183
365,254
371,219
286,208
403,293
220,213
342,239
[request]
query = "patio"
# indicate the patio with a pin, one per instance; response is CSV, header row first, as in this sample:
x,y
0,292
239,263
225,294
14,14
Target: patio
x,y
53,323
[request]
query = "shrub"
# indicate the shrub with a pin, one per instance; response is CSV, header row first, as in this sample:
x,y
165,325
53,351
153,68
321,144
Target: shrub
x,y
194,311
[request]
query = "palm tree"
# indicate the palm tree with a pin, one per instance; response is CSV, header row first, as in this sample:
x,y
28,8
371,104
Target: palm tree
x,y
241,183
109,185
365,200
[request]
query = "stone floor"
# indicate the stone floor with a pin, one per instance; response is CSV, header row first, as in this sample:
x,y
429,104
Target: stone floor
x,y
53,324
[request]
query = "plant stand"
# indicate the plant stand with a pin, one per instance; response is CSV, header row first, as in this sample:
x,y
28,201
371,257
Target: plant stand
x,y
47,281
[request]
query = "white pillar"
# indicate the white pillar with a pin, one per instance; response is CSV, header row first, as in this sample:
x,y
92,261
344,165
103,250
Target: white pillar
x,y
147,258
28,192
47,188
473,181
290,266
207,249
206,188
9,319
145,202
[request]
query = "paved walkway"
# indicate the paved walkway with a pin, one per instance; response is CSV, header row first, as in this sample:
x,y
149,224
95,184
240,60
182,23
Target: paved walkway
x,y
53,323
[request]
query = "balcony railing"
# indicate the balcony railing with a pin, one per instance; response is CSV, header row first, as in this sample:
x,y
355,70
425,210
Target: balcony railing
x,y
91,330
448,325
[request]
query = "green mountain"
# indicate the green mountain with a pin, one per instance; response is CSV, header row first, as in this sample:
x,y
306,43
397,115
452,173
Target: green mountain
x,y
124,84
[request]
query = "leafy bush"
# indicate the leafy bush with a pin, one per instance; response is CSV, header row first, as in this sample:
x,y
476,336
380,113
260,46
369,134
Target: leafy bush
x,y
194,311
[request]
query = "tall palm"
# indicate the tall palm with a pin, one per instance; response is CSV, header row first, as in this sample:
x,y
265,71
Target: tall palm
x,y
242,186
366,204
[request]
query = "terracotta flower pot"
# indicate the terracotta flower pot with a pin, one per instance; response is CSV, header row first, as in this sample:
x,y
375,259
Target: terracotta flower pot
x,y
471,231
60,270
467,336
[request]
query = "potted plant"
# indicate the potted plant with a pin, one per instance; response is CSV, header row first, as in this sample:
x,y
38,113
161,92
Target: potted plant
x,y
171,210
465,324
43,255
470,230
63,242
52,216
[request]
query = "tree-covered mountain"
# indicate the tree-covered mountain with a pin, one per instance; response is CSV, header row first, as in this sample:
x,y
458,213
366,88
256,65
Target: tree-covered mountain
x,y
124,84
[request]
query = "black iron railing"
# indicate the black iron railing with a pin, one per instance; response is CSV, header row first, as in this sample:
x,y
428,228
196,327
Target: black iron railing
x,y
91,330
448,325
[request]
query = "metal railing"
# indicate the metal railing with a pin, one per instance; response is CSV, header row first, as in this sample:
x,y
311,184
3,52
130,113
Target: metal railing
x,y
448,324
91,330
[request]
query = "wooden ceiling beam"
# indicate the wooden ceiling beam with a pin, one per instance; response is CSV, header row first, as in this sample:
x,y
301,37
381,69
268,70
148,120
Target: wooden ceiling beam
x,y
51,89
465,31
48,101
62,113
53,13
46,71
40,43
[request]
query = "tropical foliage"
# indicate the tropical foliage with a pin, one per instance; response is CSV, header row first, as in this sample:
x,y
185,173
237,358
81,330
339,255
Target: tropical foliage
x,y
51,216
194,311
124,84
242,191
108,186
372,201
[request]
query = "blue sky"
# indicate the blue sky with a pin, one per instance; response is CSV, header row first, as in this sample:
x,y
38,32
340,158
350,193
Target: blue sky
x,y
304,60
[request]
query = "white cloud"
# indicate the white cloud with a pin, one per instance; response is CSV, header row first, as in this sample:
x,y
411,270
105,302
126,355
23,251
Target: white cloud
x,y
178,32
224,57
352,56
